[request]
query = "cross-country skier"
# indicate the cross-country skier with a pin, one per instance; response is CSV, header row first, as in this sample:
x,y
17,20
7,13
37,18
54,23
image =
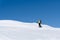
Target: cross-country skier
x,y
39,23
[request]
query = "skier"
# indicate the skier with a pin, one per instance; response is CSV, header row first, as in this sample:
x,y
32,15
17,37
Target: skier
x,y
39,23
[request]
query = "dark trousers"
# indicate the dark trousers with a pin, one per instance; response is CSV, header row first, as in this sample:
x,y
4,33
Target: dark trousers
x,y
39,25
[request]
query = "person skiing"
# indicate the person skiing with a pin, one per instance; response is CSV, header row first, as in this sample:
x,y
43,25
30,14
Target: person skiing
x,y
39,23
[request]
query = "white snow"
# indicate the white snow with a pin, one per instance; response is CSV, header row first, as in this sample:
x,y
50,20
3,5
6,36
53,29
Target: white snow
x,y
15,30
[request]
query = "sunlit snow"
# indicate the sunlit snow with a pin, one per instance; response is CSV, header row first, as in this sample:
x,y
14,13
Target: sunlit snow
x,y
15,30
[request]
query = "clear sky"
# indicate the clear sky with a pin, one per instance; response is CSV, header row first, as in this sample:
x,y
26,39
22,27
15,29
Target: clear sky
x,y
31,10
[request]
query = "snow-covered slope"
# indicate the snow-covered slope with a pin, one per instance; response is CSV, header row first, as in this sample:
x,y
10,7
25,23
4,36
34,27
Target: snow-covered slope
x,y
15,30
12,23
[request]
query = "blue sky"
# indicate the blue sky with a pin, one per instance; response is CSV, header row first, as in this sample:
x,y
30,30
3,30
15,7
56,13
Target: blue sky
x,y
31,10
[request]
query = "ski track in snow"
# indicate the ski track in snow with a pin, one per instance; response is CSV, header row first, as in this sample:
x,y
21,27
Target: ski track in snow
x,y
15,30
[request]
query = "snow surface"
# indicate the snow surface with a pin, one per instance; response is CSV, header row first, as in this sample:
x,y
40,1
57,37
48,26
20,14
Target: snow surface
x,y
15,30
